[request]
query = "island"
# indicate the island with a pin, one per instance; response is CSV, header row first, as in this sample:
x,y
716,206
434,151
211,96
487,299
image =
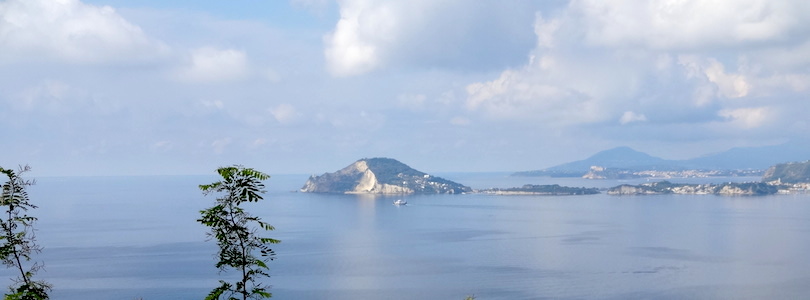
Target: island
x,y
787,178
381,176
388,176
666,187
547,189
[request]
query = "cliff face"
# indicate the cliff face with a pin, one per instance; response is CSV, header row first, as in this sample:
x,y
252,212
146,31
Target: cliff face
x,y
380,176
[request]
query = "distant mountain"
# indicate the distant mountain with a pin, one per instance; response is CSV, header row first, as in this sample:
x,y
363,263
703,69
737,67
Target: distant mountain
x,y
381,176
752,157
624,158
617,158
621,158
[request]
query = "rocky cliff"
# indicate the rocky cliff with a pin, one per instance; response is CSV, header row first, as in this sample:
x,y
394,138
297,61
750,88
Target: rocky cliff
x,y
381,176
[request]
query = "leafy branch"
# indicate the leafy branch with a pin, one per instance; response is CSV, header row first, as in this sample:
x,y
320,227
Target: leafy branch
x,y
237,233
18,240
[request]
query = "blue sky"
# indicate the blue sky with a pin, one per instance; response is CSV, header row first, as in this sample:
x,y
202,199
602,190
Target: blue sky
x,y
308,86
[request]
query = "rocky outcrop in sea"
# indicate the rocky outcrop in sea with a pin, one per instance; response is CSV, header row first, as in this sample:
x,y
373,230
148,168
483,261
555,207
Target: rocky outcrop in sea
x,y
381,176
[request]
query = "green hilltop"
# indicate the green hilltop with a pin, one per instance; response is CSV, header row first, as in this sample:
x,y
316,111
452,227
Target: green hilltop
x,y
796,172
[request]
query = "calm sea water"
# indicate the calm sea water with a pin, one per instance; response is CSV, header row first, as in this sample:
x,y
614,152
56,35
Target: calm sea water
x,y
136,237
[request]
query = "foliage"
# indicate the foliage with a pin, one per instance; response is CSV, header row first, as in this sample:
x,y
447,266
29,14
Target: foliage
x,y
236,233
18,240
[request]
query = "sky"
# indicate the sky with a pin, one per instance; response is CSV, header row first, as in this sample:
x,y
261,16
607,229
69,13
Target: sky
x,y
115,87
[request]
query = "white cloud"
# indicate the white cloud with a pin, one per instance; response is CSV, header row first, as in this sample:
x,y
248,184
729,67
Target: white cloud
x,y
351,49
551,75
747,118
545,32
728,85
791,81
787,58
630,117
689,24
208,64
285,113
524,94
680,62
70,31
371,34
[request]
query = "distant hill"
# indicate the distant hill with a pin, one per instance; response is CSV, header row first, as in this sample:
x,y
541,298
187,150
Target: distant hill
x,y
798,172
752,157
624,158
381,176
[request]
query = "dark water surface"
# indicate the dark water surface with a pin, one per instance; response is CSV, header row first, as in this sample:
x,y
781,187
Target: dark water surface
x,y
133,237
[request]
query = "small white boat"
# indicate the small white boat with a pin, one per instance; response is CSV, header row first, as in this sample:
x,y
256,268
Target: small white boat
x,y
400,202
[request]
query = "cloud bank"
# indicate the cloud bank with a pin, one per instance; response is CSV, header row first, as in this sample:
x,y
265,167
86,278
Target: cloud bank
x,y
453,34
70,31
455,85
658,62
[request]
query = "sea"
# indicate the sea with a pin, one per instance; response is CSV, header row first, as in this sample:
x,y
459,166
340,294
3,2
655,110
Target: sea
x,y
137,238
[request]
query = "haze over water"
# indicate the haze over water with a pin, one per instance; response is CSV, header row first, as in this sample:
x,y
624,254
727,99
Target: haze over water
x,y
130,237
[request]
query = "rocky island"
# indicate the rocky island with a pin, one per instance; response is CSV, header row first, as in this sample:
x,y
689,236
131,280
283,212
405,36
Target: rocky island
x,y
381,176
666,187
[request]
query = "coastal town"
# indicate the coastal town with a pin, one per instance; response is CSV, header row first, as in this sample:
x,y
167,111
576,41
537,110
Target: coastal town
x,y
598,172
